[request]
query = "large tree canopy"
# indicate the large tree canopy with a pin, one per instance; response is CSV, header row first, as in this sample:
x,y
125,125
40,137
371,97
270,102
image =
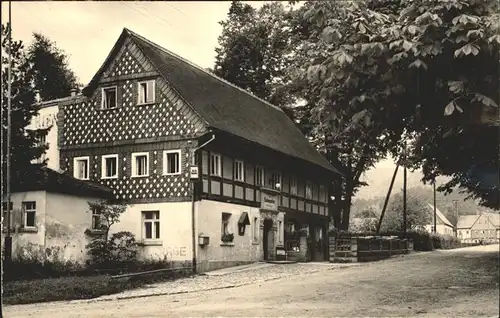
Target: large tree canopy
x,y
24,147
52,76
418,213
41,68
253,51
377,77
428,76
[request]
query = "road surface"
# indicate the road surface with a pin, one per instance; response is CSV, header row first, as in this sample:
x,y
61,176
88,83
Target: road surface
x,y
453,283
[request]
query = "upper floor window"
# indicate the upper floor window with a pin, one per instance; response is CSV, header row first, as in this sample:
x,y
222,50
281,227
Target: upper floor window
x,y
146,92
109,97
275,180
239,170
315,191
29,214
293,185
308,190
41,142
81,168
171,162
109,167
140,164
322,193
215,165
259,176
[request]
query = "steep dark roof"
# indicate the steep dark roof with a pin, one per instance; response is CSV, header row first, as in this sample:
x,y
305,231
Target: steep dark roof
x,y
224,106
39,178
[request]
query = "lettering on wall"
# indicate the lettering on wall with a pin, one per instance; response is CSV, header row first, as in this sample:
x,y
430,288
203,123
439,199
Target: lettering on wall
x,y
45,121
269,201
176,251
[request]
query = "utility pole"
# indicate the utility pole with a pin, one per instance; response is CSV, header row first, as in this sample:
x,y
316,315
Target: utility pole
x,y
455,203
404,193
8,238
435,223
387,199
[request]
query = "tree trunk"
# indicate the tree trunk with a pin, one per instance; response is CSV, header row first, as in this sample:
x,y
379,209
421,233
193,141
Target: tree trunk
x,y
346,209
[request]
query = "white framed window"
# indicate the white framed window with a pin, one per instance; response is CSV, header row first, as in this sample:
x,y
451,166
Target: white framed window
x,y
151,227
308,190
140,164
41,142
109,167
215,165
146,92
259,176
81,166
255,229
293,185
171,162
225,223
239,171
29,209
97,219
109,97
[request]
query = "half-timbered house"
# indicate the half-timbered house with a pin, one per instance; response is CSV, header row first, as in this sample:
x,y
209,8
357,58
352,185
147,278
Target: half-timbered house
x,y
148,116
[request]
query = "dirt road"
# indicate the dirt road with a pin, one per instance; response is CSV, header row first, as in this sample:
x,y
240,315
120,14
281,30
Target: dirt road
x,y
455,283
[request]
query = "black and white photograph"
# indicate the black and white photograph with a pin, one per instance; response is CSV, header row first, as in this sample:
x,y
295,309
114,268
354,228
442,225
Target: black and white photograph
x,y
335,158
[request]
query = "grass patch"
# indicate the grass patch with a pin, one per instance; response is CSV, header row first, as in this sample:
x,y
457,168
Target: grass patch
x,y
72,288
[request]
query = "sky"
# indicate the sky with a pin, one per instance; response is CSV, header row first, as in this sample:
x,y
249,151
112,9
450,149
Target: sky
x,y
87,31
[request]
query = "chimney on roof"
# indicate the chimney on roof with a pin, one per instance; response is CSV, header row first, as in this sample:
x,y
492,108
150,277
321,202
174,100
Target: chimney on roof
x,y
73,91
38,99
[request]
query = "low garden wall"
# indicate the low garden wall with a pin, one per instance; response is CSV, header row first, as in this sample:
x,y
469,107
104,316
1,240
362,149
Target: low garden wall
x,y
366,249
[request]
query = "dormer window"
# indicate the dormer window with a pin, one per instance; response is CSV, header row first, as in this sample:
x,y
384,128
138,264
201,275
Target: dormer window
x,y
108,98
146,92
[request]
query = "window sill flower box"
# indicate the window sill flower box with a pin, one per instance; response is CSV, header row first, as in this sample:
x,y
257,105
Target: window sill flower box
x,y
227,238
28,229
150,243
95,232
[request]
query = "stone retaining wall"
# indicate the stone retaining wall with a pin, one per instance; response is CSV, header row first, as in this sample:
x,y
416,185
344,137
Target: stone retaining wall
x,y
366,249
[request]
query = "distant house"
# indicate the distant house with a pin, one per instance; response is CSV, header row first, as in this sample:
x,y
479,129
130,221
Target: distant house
x,y
443,225
50,215
484,227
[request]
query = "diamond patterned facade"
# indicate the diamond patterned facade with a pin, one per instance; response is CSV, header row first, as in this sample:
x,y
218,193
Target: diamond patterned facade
x,y
84,123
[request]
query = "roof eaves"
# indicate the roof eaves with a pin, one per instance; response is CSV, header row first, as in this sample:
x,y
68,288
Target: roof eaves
x,y
327,165
59,101
159,47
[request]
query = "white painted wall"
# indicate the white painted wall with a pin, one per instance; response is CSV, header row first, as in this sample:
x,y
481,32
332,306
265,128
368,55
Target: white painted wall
x,y
61,221
464,234
441,229
27,242
66,220
244,248
175,230
47,117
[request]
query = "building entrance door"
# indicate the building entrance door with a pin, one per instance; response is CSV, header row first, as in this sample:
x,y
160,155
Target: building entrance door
x,y
268,238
